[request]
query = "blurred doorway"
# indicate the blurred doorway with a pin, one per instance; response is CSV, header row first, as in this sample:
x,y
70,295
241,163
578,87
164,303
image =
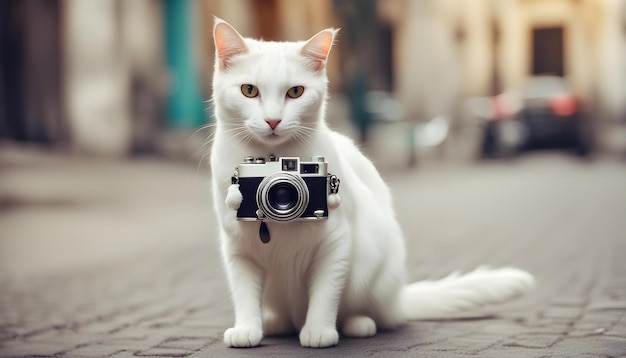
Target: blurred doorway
x,y
548,51
31,93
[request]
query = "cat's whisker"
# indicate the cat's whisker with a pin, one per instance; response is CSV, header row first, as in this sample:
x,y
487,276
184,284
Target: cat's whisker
x,y
201,128
249,137
236,134
210,127
304,136
202,158
240,136
203,147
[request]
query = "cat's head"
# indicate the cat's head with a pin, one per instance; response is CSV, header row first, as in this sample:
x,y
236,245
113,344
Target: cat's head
x,y
269,92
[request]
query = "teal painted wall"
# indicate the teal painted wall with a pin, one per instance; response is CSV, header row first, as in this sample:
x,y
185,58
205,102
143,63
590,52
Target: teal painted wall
x,y
185,105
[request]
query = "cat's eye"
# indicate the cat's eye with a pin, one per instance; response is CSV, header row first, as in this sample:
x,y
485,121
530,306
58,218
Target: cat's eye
x,y
250,91
295,92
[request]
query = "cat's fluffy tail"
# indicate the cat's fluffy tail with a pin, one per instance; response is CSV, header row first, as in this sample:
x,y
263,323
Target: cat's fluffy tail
x,y
463,295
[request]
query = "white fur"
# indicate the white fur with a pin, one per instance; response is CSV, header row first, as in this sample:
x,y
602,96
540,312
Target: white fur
x,y
313,277
333,201
233,197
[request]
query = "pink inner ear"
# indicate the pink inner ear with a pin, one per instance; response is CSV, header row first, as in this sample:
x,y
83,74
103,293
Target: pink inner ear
x,y
318,48
228,43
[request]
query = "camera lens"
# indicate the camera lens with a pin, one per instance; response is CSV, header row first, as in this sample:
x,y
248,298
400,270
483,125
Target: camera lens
x,y
282,196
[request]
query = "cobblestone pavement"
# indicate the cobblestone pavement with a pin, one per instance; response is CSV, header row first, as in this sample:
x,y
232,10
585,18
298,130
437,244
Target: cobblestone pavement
x,y
108,259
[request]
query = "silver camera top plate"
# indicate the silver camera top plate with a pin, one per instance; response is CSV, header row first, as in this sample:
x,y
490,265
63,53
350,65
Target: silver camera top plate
x,y
260,168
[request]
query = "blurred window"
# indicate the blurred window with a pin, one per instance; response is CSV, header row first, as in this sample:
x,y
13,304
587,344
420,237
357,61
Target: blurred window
x,y
548,51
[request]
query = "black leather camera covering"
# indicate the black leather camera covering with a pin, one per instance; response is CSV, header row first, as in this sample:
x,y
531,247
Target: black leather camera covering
x,y
318,195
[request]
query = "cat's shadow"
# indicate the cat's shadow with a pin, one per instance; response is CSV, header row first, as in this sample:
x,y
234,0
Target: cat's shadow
x,y
289,345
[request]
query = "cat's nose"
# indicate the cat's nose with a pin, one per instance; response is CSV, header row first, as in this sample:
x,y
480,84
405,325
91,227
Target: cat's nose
x,y
273,123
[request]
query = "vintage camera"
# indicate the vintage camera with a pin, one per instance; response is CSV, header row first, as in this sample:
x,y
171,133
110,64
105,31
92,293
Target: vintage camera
x,y
283,189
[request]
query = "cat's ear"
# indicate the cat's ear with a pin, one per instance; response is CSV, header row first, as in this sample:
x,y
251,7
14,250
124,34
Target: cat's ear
x,y
228,43
318,47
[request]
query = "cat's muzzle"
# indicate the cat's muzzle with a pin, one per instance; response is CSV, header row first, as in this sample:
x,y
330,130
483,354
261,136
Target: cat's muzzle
x,y
284,189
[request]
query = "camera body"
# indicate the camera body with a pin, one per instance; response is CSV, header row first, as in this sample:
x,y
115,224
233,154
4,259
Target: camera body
x,y
282,189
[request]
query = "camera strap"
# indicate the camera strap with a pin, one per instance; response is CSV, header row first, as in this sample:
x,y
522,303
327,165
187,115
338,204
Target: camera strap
x,y
264,233
235,178
333,183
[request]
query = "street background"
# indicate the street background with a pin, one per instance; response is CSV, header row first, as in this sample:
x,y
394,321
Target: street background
x,y
107,232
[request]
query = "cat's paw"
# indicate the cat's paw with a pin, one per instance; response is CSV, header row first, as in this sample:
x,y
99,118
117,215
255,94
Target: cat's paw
x,y
359,327
234,197
243,337
334,200
318,337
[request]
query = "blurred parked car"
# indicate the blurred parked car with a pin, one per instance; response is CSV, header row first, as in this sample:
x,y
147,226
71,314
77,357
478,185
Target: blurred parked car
x,y
554,117
546,115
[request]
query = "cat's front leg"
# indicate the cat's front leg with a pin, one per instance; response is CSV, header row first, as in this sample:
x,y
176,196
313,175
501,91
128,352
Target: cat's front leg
x,y
246,282
326,285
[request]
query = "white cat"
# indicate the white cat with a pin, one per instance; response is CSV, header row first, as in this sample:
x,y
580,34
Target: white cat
x,y
347,272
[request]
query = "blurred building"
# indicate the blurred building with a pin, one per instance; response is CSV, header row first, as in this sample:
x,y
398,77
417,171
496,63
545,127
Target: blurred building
x,y
107,76
450,49
93,76
113,74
